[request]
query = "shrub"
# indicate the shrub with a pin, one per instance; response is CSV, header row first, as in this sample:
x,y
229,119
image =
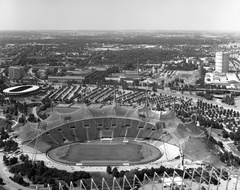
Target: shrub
x,y
1,180
238,148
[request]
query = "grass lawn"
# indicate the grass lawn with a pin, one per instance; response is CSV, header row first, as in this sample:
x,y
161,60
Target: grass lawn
x,y
80,152
104,152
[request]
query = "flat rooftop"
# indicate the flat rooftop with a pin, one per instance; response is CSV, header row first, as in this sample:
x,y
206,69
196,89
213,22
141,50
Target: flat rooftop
x,y
80,72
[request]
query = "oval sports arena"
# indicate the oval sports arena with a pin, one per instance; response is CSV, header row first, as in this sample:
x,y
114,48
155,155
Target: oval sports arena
x,y
24,90
115,135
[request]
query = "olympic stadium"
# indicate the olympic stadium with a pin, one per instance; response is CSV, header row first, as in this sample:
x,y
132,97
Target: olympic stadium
x,y
112,127
24,90
114,135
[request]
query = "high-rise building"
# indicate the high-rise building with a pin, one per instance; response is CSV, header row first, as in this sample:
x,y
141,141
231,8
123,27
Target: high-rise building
x,y
222,62
16,72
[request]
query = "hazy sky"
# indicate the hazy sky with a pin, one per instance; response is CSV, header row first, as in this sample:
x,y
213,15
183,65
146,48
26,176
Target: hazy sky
x,y
120,15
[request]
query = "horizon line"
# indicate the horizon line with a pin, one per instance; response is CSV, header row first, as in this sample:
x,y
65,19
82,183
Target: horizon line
x,y
200,30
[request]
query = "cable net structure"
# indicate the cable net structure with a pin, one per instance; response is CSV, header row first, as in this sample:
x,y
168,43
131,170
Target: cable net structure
x,y
85,123
175,179
193,143
117,121
201,149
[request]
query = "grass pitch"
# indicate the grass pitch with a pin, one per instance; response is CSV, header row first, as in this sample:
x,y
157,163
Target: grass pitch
x,y
104,153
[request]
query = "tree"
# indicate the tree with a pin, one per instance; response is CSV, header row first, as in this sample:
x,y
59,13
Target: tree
x,y
229,100
122,173
26,157
200,94
109,170
51,180
31,118
231,135
208,96
14,146
4,135
6,162
22,157
8,116
16,113
128,66
115,172
21,120
1,143
18,178
177,188
154,88
13,161
238,148
31,173
225,134
41,169
237,136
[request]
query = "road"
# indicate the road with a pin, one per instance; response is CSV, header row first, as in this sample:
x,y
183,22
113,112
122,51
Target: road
x,y
34,112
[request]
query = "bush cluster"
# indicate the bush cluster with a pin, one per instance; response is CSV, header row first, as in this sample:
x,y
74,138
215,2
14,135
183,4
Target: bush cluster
x,y
38,173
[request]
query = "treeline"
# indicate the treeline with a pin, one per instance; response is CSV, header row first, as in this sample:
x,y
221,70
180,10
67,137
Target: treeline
x,y
9,145
6,143
38,173
15,107
182,66
207,95
158,37
155,55
99,76
229,99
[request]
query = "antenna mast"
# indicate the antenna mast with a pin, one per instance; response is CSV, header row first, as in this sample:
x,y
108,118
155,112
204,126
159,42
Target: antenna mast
x,y
114,98
147,99
138,67
41,128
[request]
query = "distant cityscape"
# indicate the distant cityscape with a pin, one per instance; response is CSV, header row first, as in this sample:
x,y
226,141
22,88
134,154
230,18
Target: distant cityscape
x,y
62,60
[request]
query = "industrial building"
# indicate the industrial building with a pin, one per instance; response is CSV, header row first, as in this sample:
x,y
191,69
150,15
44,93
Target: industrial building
x,y
65,79
77,76
128,76
222,62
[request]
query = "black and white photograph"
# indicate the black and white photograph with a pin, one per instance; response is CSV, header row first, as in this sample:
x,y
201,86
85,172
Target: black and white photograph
x,y
119,94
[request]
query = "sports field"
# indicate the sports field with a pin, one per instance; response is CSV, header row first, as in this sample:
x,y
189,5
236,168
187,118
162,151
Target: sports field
x,y
97,153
